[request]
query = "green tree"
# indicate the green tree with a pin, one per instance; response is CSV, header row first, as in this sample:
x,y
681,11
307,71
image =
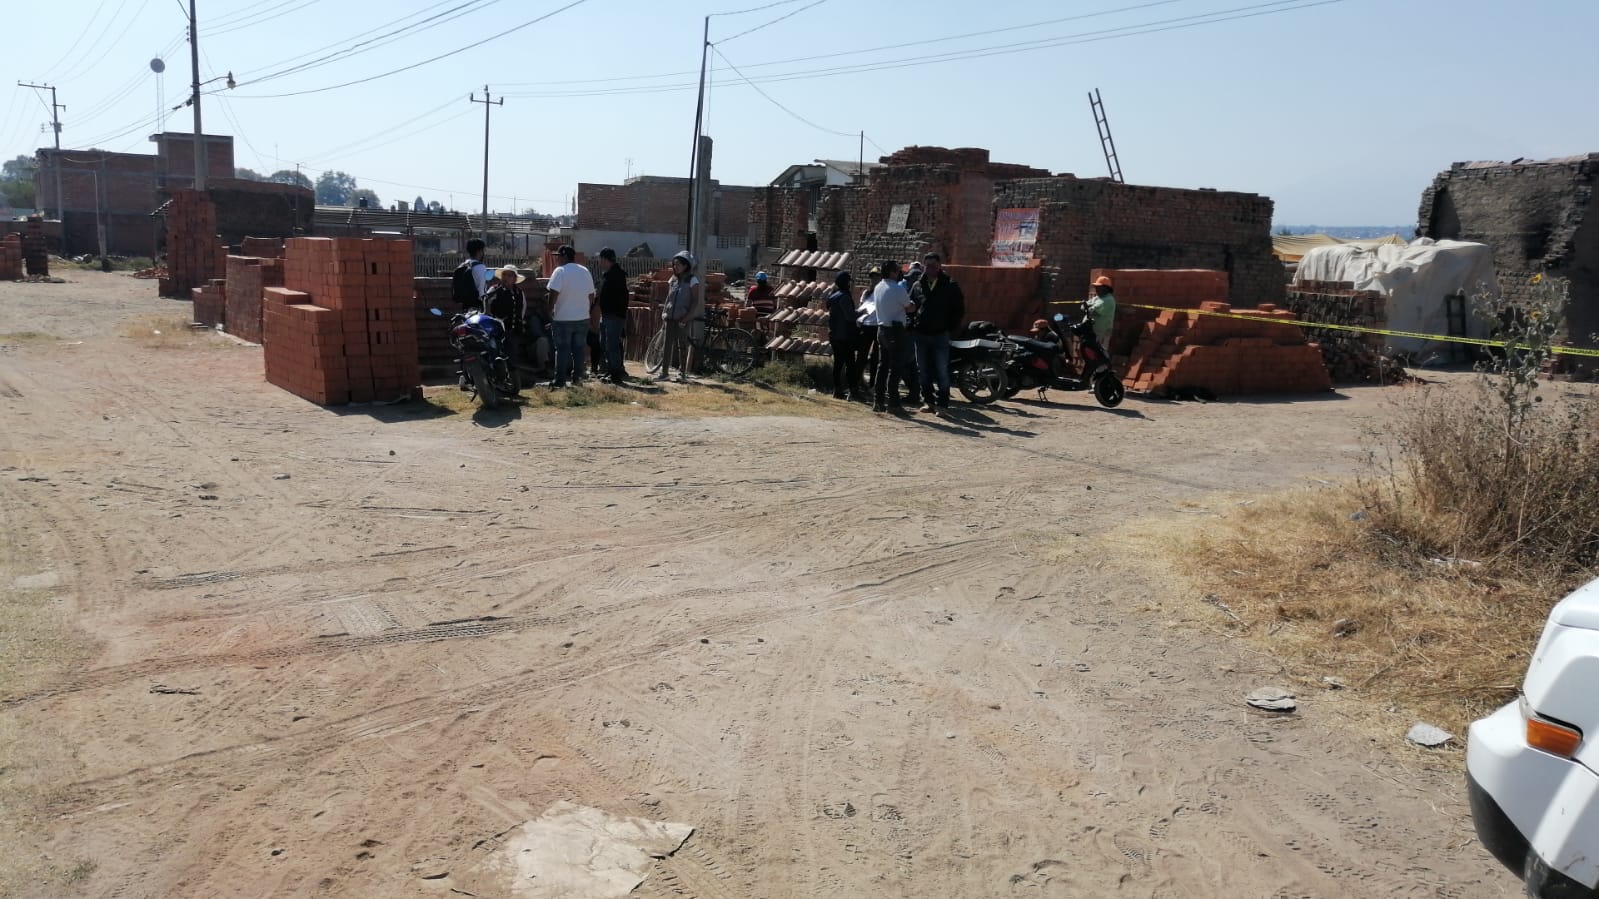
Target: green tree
x,y
18,194
370,196
244,174
336,189
290,176
19,169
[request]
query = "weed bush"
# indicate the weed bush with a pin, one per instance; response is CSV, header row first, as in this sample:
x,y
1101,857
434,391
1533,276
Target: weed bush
x,y
1499,472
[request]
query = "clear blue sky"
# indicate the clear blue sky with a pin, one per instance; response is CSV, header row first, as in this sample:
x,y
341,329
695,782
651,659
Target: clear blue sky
x,y
1341,112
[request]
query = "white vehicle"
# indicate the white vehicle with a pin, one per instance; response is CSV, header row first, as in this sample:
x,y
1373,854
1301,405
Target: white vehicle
x,y
1530,770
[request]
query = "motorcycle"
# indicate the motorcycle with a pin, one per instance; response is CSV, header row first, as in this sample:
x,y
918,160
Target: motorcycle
x,y
978,360
487,370
1044,364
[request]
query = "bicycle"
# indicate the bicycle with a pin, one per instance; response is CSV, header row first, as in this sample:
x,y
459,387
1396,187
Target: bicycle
x,y
724,348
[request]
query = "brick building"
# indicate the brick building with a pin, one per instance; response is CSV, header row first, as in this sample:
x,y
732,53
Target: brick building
x,y
653,209
1538,216
946,200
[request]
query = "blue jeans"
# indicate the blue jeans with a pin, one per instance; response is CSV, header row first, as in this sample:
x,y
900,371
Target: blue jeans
x,y
932,365
611,330
571,345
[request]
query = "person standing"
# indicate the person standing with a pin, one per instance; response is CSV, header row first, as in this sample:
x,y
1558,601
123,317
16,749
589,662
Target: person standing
x,y
866,317
940,309
506,302
469,281
683,315
841,333
613,314
1101,307
892,304
572,303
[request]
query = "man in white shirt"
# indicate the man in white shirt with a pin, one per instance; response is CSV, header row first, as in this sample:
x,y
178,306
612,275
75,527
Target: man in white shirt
x,y
892,304
571,303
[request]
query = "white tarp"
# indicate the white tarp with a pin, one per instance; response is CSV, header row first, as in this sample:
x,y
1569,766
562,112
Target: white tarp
x,y
1417,278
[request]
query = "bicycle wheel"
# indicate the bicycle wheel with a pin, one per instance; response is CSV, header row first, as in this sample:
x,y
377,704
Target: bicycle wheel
x,y
734,352
655,353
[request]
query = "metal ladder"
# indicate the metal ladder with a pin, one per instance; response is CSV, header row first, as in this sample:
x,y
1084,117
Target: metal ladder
x,y
1106,142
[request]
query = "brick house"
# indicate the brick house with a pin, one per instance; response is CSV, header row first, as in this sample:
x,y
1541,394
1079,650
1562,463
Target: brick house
x,y
653,209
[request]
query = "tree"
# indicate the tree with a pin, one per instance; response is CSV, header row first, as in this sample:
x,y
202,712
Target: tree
x,y
370,196
247,174
290,176
19,169
435,207
336,189
419,205
18,194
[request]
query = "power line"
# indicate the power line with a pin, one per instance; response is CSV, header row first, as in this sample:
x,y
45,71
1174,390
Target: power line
x,y
789,15
772,100
740,12
70,50
472,46
1090,37
260,18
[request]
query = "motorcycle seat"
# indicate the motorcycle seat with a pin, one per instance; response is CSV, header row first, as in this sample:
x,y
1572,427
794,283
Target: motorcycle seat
x,y
1042,347
975,344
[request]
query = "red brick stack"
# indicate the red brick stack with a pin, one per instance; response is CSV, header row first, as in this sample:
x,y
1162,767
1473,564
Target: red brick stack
x,y
11,257
262,247
35,252
247,277
211,303
1184,288
434,353
1005,296
194,256
343,329
1181,350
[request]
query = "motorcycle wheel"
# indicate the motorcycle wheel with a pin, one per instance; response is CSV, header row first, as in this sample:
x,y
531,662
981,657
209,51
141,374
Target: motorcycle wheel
x,y
483,387
1108,390
982,383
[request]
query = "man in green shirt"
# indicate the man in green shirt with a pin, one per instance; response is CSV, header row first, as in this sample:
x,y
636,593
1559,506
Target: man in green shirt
x,y
1101,307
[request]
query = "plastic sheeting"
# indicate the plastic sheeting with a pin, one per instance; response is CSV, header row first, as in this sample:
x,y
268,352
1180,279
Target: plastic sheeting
x,y
1293,247
1417,277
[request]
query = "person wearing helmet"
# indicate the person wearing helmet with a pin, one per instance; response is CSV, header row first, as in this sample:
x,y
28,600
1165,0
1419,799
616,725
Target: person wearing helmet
x,y
683,314
762,298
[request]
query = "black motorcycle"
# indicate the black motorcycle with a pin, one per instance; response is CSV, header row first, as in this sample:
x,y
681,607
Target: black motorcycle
x,y
978,360
1043,365
486,369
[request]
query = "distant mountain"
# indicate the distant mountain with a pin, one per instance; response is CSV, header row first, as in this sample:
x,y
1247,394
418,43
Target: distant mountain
x,y
1349,232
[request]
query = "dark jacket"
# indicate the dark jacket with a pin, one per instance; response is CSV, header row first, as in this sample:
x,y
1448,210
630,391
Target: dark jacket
x,y
940,305
613,292
841,324
509,305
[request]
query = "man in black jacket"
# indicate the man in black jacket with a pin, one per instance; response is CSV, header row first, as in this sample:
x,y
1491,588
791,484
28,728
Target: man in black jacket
x,y
940,309
613,313
841,333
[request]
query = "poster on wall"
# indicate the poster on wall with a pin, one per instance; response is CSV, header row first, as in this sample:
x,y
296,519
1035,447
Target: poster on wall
x,y
1015,233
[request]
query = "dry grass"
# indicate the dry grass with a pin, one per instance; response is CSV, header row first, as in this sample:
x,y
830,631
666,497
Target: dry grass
x,y
704,397
1311,580
167,332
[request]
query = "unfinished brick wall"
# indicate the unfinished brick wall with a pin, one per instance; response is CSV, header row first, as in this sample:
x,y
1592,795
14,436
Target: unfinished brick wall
x,y
1006,296
841,218
1088,224
194,256
777,216
659,205
343,328
1539,218
1352,357
10,257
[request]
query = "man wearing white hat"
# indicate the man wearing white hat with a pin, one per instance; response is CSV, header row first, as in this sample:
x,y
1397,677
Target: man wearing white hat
x,y
506,302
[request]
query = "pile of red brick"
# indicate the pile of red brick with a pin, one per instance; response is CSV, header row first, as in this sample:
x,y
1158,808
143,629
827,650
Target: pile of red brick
x,y
1183,350
248,278
1170,288
35,252
211,303
343,328
10,257
1006,296
194,255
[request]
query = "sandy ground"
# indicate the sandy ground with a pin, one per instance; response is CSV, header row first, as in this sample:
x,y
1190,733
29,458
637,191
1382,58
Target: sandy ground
x,y
862,657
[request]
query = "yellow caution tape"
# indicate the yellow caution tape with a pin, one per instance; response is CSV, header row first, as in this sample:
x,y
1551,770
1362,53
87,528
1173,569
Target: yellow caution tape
x,y
1325,326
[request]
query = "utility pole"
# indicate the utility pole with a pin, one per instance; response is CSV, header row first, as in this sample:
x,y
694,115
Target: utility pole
x,y
487,103
860,167
194,65
699,119
55,125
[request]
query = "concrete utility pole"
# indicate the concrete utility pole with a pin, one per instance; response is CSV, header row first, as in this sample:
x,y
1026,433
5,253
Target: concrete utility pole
x,y
487,103
55,125
694,157
194,98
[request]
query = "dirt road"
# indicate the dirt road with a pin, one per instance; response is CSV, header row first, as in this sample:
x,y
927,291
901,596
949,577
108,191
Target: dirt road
x,y
337,652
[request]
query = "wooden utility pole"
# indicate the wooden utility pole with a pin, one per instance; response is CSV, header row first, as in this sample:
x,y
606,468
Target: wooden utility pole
x,y
55,126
